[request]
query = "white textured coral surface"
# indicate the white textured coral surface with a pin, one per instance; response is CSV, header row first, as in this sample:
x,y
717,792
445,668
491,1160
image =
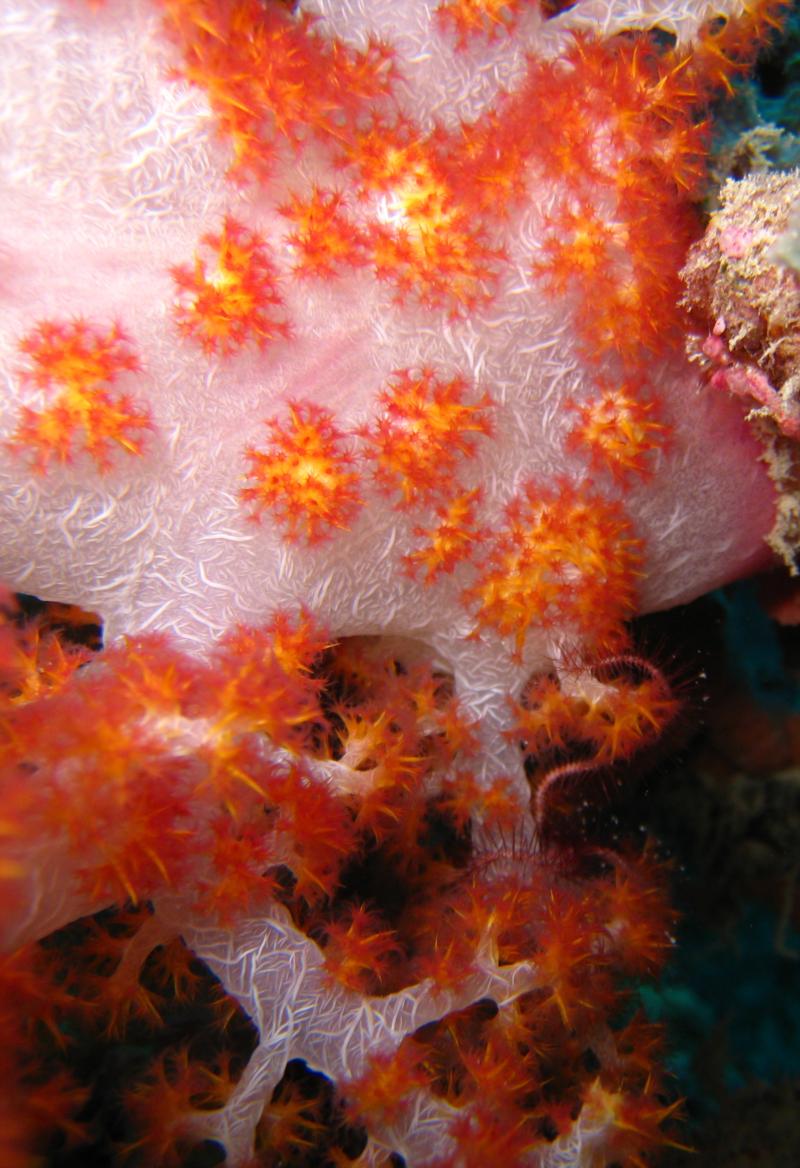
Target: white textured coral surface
x,y
110,174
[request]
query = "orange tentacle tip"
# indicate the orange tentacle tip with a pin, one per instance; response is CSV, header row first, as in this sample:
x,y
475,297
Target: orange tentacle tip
x,y
304,478
73,364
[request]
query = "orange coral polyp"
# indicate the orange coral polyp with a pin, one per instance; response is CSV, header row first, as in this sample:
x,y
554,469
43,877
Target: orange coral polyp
x,y
390,1082
270,80
75,363
324,240
632,1119
606,720
620,431
468,18
232,296
261,686
564,557
315,830
76,355
304,477
638,915
427,239
727,48
360,950
442,263
630,149
427,429
450,540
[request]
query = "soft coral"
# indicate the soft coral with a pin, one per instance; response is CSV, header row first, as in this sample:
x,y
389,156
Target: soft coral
x,y
287,769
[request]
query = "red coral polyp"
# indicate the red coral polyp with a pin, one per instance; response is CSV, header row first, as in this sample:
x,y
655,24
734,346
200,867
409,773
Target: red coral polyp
x,y
452,538
427,428
270,80
608,713
620,431
230,296
75,363
564,558
324,240
469,19
304,478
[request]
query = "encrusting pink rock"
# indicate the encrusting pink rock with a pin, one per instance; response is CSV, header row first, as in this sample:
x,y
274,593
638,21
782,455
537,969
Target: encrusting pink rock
x,y
743,291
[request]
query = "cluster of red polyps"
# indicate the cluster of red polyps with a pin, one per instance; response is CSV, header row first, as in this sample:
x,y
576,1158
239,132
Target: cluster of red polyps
x,y
325,786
